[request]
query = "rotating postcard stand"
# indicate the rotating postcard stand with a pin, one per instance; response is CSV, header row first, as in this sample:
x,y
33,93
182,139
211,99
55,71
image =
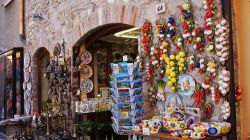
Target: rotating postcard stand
x,y
126,92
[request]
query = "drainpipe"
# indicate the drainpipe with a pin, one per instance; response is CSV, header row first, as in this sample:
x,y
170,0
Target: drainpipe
x,y
21,25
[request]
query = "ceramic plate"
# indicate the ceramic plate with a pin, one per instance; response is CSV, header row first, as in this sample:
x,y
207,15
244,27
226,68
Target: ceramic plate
x,y
186,86
26,60
29,86
86,71
26,95
86,57
86,86
24,85
27,107
26,76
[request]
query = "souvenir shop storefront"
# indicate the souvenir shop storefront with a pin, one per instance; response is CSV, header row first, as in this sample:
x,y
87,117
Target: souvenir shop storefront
x,y
166,75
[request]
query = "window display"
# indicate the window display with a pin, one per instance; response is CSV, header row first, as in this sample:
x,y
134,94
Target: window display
x,y
12,83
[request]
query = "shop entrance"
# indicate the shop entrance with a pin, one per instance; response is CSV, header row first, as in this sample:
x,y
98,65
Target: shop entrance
x,y
40,61
107,44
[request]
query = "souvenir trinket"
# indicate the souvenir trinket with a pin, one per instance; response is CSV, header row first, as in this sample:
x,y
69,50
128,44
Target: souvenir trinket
x,y
191,62
86,71
211,68
172,72
206,86
208,110
181,58
225,109
26,60
200,64
171,28
198,39
178,43
160,93
146,39
86,86
222,32
160,29
198,97
224,81
186,86
86,57
215,94
187,21
209,26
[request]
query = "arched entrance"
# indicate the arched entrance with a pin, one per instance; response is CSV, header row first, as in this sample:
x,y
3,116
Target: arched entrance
x,y
106,45
40,61
101,41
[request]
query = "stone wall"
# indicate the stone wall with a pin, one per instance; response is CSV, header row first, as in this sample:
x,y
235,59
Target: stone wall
x,y
9,26
50,21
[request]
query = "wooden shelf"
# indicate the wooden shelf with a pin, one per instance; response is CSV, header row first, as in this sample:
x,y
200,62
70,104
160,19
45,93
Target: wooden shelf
x,y
168,136
99,112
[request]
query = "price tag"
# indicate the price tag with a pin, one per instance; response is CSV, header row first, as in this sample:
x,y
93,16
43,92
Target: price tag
x,y
145,131
125,58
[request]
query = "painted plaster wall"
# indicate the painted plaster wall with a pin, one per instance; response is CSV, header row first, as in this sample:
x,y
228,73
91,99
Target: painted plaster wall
x,y
242,14
9,26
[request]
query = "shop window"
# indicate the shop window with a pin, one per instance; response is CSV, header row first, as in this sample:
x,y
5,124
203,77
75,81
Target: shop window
x,y
11,79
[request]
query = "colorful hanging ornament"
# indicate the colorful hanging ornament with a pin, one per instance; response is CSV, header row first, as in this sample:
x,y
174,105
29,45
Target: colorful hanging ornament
x,y
181,58
215,94
191,62
146,38
152,93
198,97
211,68
222,32
206,85
224,81
178,43
160,93
187,21
209,26
198,39
160,29
208,110
225,110
238,95
172,72
171,28
200,64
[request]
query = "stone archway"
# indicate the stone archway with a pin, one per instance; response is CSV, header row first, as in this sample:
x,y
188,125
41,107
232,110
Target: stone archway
x,y
37,64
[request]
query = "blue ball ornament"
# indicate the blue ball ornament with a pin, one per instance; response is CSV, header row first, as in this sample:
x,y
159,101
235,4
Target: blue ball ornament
x,y
171,20
187,15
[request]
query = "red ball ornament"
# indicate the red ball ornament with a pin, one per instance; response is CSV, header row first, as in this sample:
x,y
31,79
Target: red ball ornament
x,y
239,91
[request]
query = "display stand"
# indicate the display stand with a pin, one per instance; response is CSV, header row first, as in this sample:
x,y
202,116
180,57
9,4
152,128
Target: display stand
x,y
126,90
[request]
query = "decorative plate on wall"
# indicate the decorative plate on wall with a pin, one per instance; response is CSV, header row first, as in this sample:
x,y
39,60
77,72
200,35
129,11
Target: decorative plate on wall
x,y
86,57
26,60
26,76
26,95
24,85
186,85
29,86
86,71
86,86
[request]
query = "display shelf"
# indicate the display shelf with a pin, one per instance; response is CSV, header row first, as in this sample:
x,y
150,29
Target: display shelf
x,y
167,135
100,112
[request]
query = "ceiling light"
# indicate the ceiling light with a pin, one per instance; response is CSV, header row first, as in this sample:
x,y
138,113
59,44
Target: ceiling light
x,y
123,33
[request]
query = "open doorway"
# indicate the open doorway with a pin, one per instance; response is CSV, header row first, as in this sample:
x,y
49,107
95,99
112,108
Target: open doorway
x,y
40,62
107,44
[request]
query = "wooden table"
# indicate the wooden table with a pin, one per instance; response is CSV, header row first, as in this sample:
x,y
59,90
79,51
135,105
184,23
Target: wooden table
x,y
167,136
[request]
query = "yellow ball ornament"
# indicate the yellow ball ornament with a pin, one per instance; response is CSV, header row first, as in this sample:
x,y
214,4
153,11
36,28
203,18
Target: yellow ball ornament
x,y
172,57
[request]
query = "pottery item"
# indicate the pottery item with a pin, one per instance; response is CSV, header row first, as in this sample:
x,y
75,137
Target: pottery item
x,y
86,86
86,57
